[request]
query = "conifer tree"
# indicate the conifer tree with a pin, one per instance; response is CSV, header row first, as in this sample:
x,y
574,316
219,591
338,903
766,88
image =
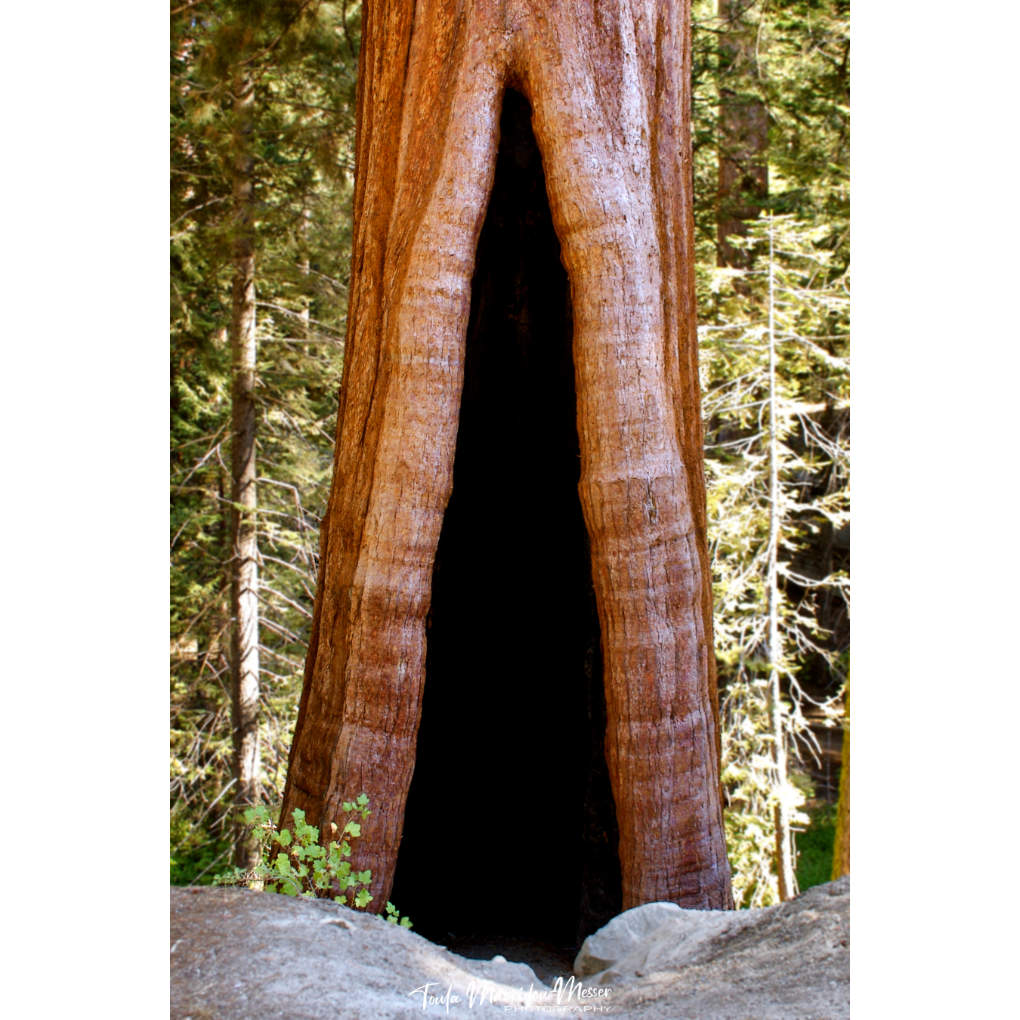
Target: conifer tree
x,y
796,71
775,374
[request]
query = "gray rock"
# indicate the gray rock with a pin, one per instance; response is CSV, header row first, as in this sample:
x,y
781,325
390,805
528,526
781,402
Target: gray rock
x,y
235,953
632,941
241,954
786,961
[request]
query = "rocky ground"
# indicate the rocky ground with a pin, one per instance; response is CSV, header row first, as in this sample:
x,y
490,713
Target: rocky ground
x,y
241,954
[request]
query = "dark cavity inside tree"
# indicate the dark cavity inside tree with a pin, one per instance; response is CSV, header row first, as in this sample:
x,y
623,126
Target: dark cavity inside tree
x,y
511,796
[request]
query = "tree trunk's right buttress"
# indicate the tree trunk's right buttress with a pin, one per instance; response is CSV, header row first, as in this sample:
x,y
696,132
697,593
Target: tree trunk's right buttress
x,y
609,87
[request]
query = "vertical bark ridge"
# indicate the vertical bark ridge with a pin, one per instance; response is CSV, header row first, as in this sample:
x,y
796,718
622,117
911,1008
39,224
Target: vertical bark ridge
x,y
674,183
385,38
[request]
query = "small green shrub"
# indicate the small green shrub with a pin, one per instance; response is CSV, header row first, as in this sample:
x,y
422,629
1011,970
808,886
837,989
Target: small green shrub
x,y
299,865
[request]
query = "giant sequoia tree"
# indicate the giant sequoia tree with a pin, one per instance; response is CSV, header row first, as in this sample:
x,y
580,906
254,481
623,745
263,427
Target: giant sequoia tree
x,y
534,568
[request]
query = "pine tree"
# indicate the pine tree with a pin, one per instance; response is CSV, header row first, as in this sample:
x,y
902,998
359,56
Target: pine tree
x,y
796,71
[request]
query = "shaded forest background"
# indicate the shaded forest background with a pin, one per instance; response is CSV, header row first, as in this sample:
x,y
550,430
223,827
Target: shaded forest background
x,y
263,95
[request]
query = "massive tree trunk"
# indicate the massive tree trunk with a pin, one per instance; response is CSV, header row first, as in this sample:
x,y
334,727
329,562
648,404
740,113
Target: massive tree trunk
x,y
743,132
607,85
244,576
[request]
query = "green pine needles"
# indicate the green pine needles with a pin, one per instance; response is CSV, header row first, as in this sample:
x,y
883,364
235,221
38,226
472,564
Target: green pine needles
x,y
297,864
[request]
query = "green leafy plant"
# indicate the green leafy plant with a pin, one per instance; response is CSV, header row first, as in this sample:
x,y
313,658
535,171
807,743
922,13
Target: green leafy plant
x,y
297,864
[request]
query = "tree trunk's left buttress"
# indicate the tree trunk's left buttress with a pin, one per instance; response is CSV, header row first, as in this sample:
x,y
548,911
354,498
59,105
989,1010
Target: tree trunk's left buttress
x,y
428,106
609,87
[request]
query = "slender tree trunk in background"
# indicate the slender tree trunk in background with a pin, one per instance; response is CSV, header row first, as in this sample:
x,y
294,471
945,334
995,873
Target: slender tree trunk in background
x,y
244,577
305,267
608,84
841,851
743,133
784,830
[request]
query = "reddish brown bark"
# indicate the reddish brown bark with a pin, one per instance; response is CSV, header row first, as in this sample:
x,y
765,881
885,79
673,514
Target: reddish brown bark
x,y
841,850
608,84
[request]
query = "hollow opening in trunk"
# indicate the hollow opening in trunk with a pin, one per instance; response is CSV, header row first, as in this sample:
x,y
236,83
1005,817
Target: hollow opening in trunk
x,y
510,830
